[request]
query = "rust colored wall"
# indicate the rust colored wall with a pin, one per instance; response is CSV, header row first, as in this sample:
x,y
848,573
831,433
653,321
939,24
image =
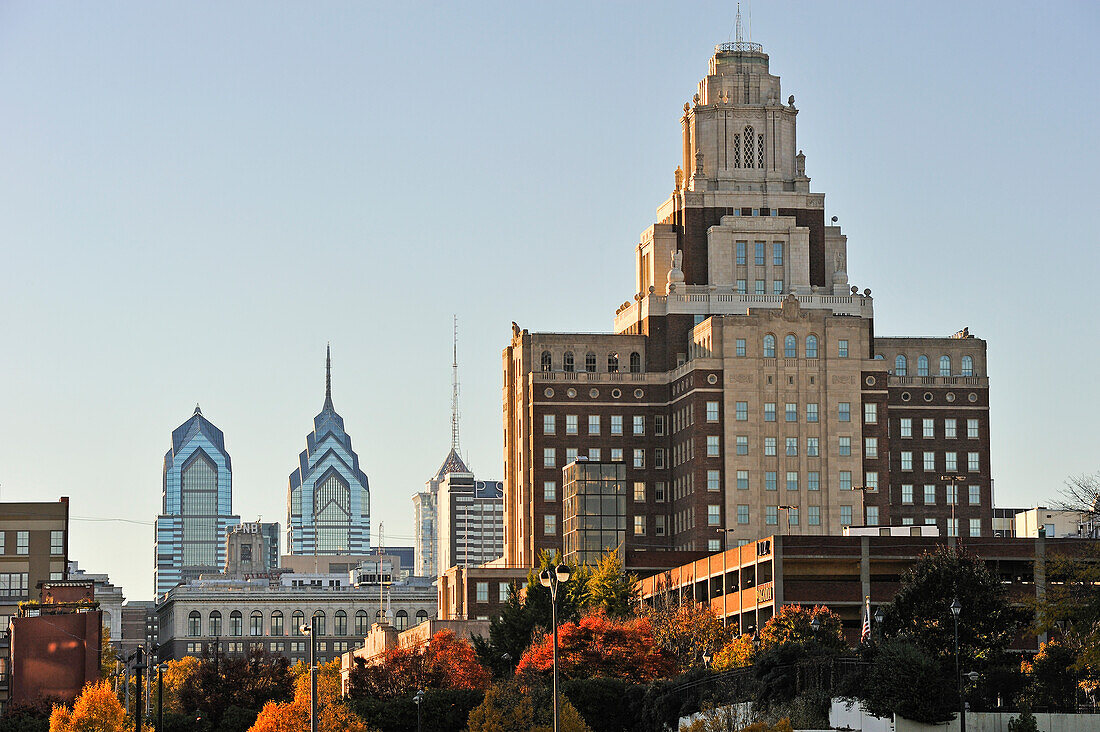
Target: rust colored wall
x,y
54,655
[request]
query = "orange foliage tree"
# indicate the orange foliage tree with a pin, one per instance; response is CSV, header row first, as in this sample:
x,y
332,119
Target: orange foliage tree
x,y
794,624
600,646
687,631
97,709
738,653
446,662
293,716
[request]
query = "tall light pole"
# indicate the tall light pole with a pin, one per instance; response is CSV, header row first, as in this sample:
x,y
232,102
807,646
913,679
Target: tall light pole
x,y
863,501
139,669
552,579
307,629
956,608
953,481
160,696
417,699
725,590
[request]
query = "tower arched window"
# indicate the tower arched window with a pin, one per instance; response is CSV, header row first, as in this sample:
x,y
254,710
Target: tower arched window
x,y
319,623
769,346
277,622
945,365
612,363
967,366
567,361
590,362
236,624
546,361
421,616
750,136
297,620
256,623
401,621
811,346
361,625
737,150
194,624
760,151
790,347
340,623
922,365
214,624
635,362
901,365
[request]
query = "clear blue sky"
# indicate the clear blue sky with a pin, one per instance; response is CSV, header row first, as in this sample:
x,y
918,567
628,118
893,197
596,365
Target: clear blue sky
x,y
195,197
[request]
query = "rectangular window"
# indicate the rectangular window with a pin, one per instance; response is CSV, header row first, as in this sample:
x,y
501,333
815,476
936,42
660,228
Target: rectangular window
x,y
714,482
659,525
742,513
616,454
639,526
739,347
845,480
570,454
3,550
792,446
639,424
811,412
771,515
22,542
742,411
594,454
845,515
907,493
769,411
952,494
870,447
949,429
482,592
950,461
842,348
952,527
813,515
973,464
502,591
844,412
929,462
906,427
639,492
742,445
759,288
714,515
616,424
777,287
639,458
549,424
929,428
712,446
712,411
791,412
930,522
549,490
759,251
549,524
742,247
872,515
870,413
906,460
570,424
769,446
770,480
870,480
777,253
972,429
813,481
57,542
930,495
792,516
593,424
975,495
742,480
659,458
845,446
812,447
975,527
792,480
907,521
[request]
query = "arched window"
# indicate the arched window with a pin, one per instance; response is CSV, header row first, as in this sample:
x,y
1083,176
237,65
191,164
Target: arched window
x,y
750,135
811,346
236,624
361,626
590,362
790,347
194,624
612,362
769,346
319,623
215,623
547,362
945,365
402,620
256,623
922,365
297,620
340,623
421,616
967,366
901,366
277,622
567,361
635,362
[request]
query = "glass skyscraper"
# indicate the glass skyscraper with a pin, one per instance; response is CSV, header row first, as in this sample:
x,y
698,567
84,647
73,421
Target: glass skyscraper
x,y
328,500
196,505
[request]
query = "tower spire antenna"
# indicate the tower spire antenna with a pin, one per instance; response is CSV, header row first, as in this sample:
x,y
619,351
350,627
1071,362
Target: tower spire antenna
x,y
739,37
454,388
328,376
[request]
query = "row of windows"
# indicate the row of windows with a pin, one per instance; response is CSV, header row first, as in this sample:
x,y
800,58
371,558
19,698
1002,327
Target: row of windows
x,y
275,647
595,424
951,495
275,626
760,253
950,461
790,342
550,456
901,366
568,362
790,412
23,542
928,428
813,518
481,590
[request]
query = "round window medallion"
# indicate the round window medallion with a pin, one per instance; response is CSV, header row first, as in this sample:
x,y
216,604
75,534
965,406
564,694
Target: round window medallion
x,y
906,396
712,379
950,396
638,393
593,393
972,397
870,381
549,393
571,393
927,396
615,393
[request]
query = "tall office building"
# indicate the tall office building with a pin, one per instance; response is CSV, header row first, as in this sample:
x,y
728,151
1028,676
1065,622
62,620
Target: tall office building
x,y
197,504
745,385
328,500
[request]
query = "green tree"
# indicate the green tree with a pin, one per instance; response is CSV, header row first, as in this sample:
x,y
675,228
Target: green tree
x,y
511,706
610,588
1052,678
245,682
904,679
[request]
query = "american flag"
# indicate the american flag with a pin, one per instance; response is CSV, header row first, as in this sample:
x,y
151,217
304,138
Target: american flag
x,y
866,635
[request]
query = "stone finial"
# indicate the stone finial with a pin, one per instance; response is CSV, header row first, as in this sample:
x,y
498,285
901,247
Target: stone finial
x,y
699,170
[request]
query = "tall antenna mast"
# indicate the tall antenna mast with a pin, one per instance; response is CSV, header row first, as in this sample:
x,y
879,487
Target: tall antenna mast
x,y
454,389
739,35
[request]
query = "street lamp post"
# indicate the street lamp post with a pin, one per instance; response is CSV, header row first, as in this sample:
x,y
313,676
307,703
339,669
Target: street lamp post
x,y
863,501
956,608
160,696
879,617
953,482
417,700
307,629
552,579
725,592
139,669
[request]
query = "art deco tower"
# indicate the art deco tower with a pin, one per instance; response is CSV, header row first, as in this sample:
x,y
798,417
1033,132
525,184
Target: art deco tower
x,y
328,500
196,505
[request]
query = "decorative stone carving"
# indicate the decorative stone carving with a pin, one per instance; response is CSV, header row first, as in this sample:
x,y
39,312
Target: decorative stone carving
x,y
800,164
791,309
699,172
676,274
679,179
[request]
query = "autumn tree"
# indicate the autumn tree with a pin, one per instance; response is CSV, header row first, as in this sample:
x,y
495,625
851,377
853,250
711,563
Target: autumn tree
x,y
293,716
221,685
1052,679
610,588
687,631
445,662
175,676
511,705
97,709
794,624
108,654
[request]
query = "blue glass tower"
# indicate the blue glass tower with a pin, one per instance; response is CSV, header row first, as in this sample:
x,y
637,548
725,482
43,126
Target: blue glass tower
x,y
328,500
196,506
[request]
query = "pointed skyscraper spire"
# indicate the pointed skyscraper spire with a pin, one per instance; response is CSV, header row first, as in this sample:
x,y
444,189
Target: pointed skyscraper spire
x,y
328,376
454,389
197,410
